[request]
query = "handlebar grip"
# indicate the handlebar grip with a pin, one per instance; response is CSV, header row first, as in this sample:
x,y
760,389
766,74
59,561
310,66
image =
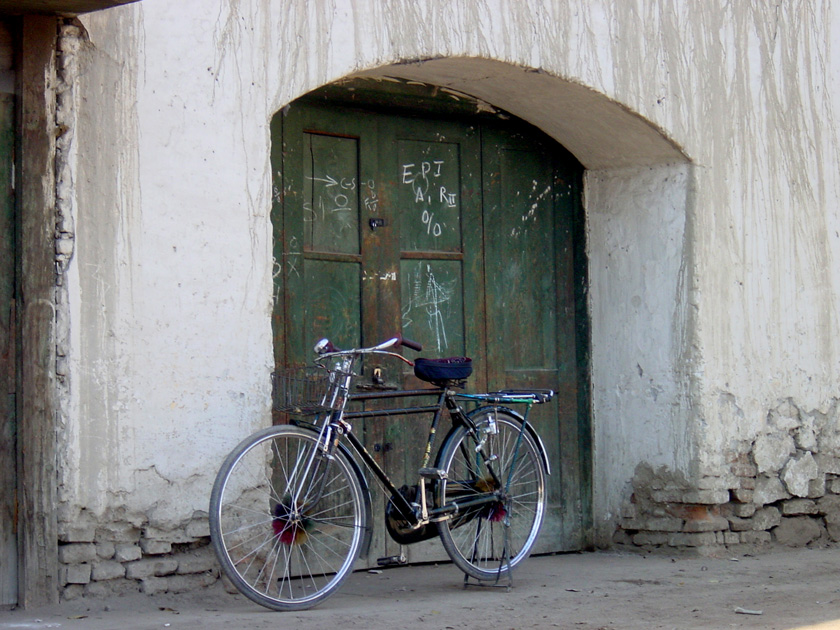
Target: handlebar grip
x,y
324,346
408,343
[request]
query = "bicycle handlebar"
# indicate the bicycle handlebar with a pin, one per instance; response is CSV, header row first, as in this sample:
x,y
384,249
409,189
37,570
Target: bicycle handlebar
x,y
325,346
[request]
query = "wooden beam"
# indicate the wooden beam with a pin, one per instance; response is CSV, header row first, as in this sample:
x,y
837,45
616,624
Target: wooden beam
x,y
57,7
36,409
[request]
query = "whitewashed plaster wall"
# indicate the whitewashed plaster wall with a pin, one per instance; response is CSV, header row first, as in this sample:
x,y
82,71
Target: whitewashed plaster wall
x,y
709,130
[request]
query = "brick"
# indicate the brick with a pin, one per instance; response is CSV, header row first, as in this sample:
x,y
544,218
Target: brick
x,y
111,588
707,497
127,552
76,553
107,570
71,592
769,490
794,507
74,574
737,457
828,465
816,487
766,518
797,531
755,538
689,512
105,550
798,474
763,519
829,504
724,482
773,451
743,510
833,531
169,535
155,547
806,438
186,583
150,567
643,539
704,497
731,538
667,496
118,532
742,495
154,585
691,540
197,562
744,470
662,524
198,528
78,533
709,524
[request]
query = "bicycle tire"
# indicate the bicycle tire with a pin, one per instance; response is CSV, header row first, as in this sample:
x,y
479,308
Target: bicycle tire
x,y
284,553
475,539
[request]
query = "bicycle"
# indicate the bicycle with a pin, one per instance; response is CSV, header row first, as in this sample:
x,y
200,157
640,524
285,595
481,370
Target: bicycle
x,y
290,510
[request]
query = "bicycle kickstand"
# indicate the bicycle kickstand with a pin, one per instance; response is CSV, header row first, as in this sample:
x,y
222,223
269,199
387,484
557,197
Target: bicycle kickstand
x,y
505,558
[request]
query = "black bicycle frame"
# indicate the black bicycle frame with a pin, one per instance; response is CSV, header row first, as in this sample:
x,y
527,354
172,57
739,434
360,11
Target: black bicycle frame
x,y
445,400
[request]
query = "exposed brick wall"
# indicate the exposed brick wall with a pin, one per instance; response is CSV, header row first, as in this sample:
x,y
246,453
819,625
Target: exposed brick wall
x,y
783,487
119,557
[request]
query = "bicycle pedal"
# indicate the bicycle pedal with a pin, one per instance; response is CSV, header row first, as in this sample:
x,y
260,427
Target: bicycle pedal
x,y
432,473
392,561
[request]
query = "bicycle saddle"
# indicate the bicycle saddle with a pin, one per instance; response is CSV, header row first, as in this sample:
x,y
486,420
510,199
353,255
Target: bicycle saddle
x,y
442,372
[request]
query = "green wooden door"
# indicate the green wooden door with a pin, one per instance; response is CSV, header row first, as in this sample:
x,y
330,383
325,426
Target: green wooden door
x,y
531,199
448,230
8,483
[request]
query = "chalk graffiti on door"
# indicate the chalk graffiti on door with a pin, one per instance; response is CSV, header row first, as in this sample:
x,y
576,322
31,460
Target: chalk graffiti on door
x,y
429,179
427,309
332,205
424,178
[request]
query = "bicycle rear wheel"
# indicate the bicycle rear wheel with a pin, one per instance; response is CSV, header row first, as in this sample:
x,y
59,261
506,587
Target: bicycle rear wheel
x,y
488,541
286,523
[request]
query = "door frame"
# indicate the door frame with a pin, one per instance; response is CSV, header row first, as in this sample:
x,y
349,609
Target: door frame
x,y
35,398
396,97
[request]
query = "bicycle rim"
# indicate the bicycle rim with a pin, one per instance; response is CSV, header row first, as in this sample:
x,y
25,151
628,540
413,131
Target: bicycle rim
x,y
286,524
487,542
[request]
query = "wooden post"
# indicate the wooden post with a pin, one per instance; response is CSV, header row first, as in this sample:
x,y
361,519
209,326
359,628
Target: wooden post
x,y
38,581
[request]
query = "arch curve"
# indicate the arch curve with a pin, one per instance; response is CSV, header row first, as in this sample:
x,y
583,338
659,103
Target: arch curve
x,y
600,132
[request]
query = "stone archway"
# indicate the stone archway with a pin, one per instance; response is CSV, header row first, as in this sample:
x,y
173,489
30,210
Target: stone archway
x,y
638,206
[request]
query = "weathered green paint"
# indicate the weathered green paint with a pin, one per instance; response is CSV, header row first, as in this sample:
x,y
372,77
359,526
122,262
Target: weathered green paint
x,y
530,195
8,427
473,252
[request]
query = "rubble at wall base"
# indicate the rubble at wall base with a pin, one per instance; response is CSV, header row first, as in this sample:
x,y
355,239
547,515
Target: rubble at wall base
x,y
782,488
122,558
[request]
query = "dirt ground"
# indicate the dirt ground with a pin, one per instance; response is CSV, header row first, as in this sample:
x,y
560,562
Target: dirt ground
x,y
783,590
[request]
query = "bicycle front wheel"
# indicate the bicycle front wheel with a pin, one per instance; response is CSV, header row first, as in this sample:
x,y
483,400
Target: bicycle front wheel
x,y
286,522
486,542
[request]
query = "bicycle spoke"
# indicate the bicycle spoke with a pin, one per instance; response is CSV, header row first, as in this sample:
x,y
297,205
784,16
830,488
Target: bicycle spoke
x,y
489,541
286,523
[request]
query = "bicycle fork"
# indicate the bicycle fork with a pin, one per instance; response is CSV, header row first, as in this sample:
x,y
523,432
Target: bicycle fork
x,y
290,513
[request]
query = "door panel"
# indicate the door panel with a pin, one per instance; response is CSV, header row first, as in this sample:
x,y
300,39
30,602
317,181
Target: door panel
x,y
530,271
331,302
455,234
330,206
432,298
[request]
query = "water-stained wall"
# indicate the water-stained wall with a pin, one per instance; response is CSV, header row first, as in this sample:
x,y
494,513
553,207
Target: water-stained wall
x,y
709,132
